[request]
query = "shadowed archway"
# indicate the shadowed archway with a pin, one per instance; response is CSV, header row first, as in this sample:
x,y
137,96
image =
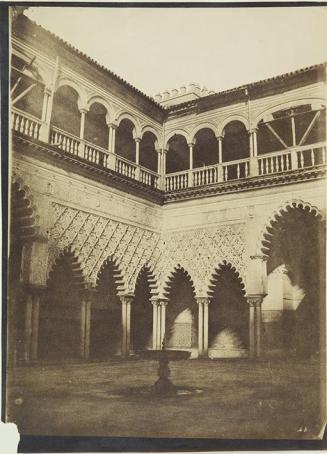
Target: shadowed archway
x,y
60,310
228,314
295,240
181,312
106,313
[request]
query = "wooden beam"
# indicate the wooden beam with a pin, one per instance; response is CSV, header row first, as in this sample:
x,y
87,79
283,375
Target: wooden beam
x,y
307,132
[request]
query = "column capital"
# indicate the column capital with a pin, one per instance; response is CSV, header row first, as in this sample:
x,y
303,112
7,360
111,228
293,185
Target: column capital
x,y
128,298
220,137
47,90
156,301
112,125
137,139
191,144
253,130
254,300
202,300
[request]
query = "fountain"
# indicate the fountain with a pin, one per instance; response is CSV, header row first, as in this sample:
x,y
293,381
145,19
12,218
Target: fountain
x,y
164,386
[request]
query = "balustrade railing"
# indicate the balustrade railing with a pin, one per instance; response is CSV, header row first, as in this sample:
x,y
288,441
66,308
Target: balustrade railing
x,y
95,154
149,177
265,164
125,167
26,124
311,156
275,162
65,141
178,180
206,175
236,170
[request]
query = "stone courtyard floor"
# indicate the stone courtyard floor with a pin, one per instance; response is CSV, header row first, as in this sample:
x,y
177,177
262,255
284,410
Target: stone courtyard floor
x,y
240,399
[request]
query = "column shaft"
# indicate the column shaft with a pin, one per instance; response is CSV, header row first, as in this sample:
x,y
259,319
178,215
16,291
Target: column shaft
x,y
128,327
158,342
154,326
124,325
82,125
205,328
163,323
251,331
200,329
35,327
258,330
28,327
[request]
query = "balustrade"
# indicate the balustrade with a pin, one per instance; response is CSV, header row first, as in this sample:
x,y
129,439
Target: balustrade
x,y
65,141
176,181
125,167
26,124
267,164
149,177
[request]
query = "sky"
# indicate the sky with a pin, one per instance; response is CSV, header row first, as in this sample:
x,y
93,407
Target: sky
x,y
219,48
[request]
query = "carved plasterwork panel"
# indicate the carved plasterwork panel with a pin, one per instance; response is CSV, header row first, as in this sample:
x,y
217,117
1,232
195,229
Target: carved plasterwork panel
x,y
199,252
95,238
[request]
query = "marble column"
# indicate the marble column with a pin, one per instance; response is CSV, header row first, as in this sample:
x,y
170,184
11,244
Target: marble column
x,y
220,158
126,301
154,324
32,310
85,327
203,326
255,302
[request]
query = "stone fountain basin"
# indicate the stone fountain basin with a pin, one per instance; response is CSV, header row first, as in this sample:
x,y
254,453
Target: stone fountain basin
x,y
170,355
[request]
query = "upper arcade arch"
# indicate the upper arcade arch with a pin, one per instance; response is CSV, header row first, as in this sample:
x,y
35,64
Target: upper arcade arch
x,y
180,132
82,96
207,125
222,125
123,115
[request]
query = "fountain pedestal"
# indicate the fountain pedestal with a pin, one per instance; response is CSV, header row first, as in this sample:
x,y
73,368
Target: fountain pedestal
x,y
164,385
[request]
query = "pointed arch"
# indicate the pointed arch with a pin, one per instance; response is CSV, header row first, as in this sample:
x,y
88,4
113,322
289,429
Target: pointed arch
x,y
168,282
149,272
223,266
117,274
265,234
71,259
24,220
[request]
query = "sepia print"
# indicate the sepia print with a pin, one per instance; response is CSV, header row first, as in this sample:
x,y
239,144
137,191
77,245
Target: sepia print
x,y
166,264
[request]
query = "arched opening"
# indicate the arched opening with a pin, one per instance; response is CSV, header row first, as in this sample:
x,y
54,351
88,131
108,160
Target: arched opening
x,y
148,152
60,310
295,244
141,313
205,150
22,230
236,143
125,143
65,112
296,126
105,334
228,315
96,129
178,155
25,76
181,313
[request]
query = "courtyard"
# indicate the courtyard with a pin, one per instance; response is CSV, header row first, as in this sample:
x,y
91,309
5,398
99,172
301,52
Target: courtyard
x,y
240,398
